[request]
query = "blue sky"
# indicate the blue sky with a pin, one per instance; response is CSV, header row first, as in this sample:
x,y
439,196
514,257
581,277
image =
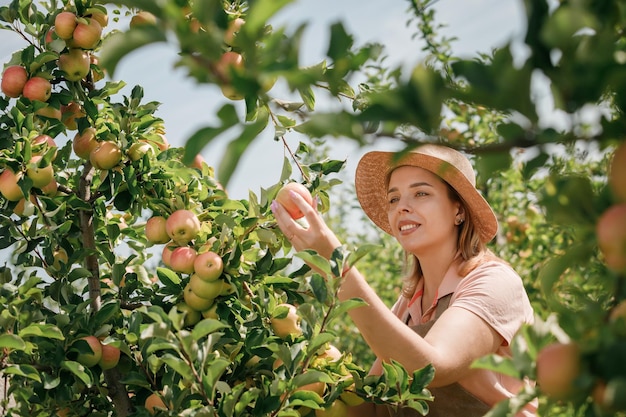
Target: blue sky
x,y
478,25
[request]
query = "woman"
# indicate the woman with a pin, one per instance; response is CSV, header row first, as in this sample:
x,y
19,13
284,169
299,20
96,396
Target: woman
x,y
459,302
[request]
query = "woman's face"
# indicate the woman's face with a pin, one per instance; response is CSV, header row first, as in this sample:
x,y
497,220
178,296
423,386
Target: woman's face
x,y
420,211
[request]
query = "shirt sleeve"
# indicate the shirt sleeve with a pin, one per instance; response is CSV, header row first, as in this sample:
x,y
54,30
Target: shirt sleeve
x,y
495,292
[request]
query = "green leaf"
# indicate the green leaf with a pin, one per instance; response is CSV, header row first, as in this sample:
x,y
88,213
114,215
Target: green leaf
x,y
12,342
26,371
258,15
179,365
205,327
497,364
42,330
78,370
194,145
315,260
119,44
168,277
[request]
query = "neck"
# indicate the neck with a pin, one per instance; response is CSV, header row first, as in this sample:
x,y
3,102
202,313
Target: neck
x,y
434,267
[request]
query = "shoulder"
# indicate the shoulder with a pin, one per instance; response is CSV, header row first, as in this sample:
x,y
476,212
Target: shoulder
x,y
494,273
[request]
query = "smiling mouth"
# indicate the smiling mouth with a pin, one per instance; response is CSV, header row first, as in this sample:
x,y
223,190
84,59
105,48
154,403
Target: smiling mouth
x,y
407,227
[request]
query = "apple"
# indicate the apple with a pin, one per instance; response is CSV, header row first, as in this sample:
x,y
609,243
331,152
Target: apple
x,y
197,162
350,397
159,141
330,354
190,315
70,113
97,73
195,302
9,187
75,64
230,92
64,25
50,112
87,34
25,209
208,266
99,14
42,143
284,198
138,149
91,356
142,18
14,78
37,88
337,409
228,62
617,173
234,26
155,230
558,367
182,259
40,176
166,255
106,155
209,290
51,188
211,313
182,226
59,258
110,357
611,234
84,142
286,325
154,402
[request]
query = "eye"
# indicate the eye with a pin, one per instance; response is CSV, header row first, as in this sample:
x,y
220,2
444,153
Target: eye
x,y
393,200
421,194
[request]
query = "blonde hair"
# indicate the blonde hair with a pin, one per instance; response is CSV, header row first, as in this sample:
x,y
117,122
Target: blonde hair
x,y
471,248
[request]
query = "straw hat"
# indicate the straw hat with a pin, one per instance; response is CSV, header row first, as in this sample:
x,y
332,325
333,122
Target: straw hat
x,y
372,175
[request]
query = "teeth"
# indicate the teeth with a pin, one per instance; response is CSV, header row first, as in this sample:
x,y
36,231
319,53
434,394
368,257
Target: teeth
x,y
407,227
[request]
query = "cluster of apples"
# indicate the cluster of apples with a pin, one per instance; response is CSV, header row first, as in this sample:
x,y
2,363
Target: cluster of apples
x,y
103,155
203,266
16,82
106,356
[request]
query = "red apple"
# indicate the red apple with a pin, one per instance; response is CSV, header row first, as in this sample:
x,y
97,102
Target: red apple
x,y
230,61
198,161
284,198
110,357
286,324
37,88
142,18
91,355
558,367
64,25
75,64
182,259
208,266
70,113
42,143
154,403
611,234
166,255
155,230
106,155
39,175
8,185
13,80
182,226
99,14
87,34
51,188
84,142
233,28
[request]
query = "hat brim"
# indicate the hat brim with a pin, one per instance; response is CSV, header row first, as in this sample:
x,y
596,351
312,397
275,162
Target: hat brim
x,y
371,188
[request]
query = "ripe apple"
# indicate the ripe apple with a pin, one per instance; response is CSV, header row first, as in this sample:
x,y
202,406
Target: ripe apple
x,y
208,266
51,188
182,226
617,173
75,63
197,163
64,25
37,88
155,230
106,155
230,92
330,354
182,259
40,176
50,112
91,355
337,409
154,403
110,357
285,325
166,255
70,113
229,61
84,142
14,78
87,34
611,234
138,149
142,18
9,185
99,14
191,316
195,302
231,32
24,208
209,290
558,367
42,143
284,198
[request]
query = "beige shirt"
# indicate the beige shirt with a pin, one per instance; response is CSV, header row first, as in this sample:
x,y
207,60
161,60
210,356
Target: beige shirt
x,y
494,292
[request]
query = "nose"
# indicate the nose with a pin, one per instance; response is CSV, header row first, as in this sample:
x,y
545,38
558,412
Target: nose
x,y
403,206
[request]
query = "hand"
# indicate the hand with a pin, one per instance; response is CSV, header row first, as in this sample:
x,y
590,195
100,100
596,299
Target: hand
x,y
317,236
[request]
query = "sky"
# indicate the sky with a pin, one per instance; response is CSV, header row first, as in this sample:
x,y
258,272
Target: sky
x,y
478,25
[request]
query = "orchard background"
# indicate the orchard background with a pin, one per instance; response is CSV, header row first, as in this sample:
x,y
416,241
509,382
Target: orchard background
x,y
88,280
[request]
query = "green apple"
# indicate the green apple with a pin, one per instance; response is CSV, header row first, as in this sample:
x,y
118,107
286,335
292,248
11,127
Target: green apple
x,y
155,230
286,323
191,316
137,150
195,302
89,351
98,13
75,64
84,142
209,290
39,175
